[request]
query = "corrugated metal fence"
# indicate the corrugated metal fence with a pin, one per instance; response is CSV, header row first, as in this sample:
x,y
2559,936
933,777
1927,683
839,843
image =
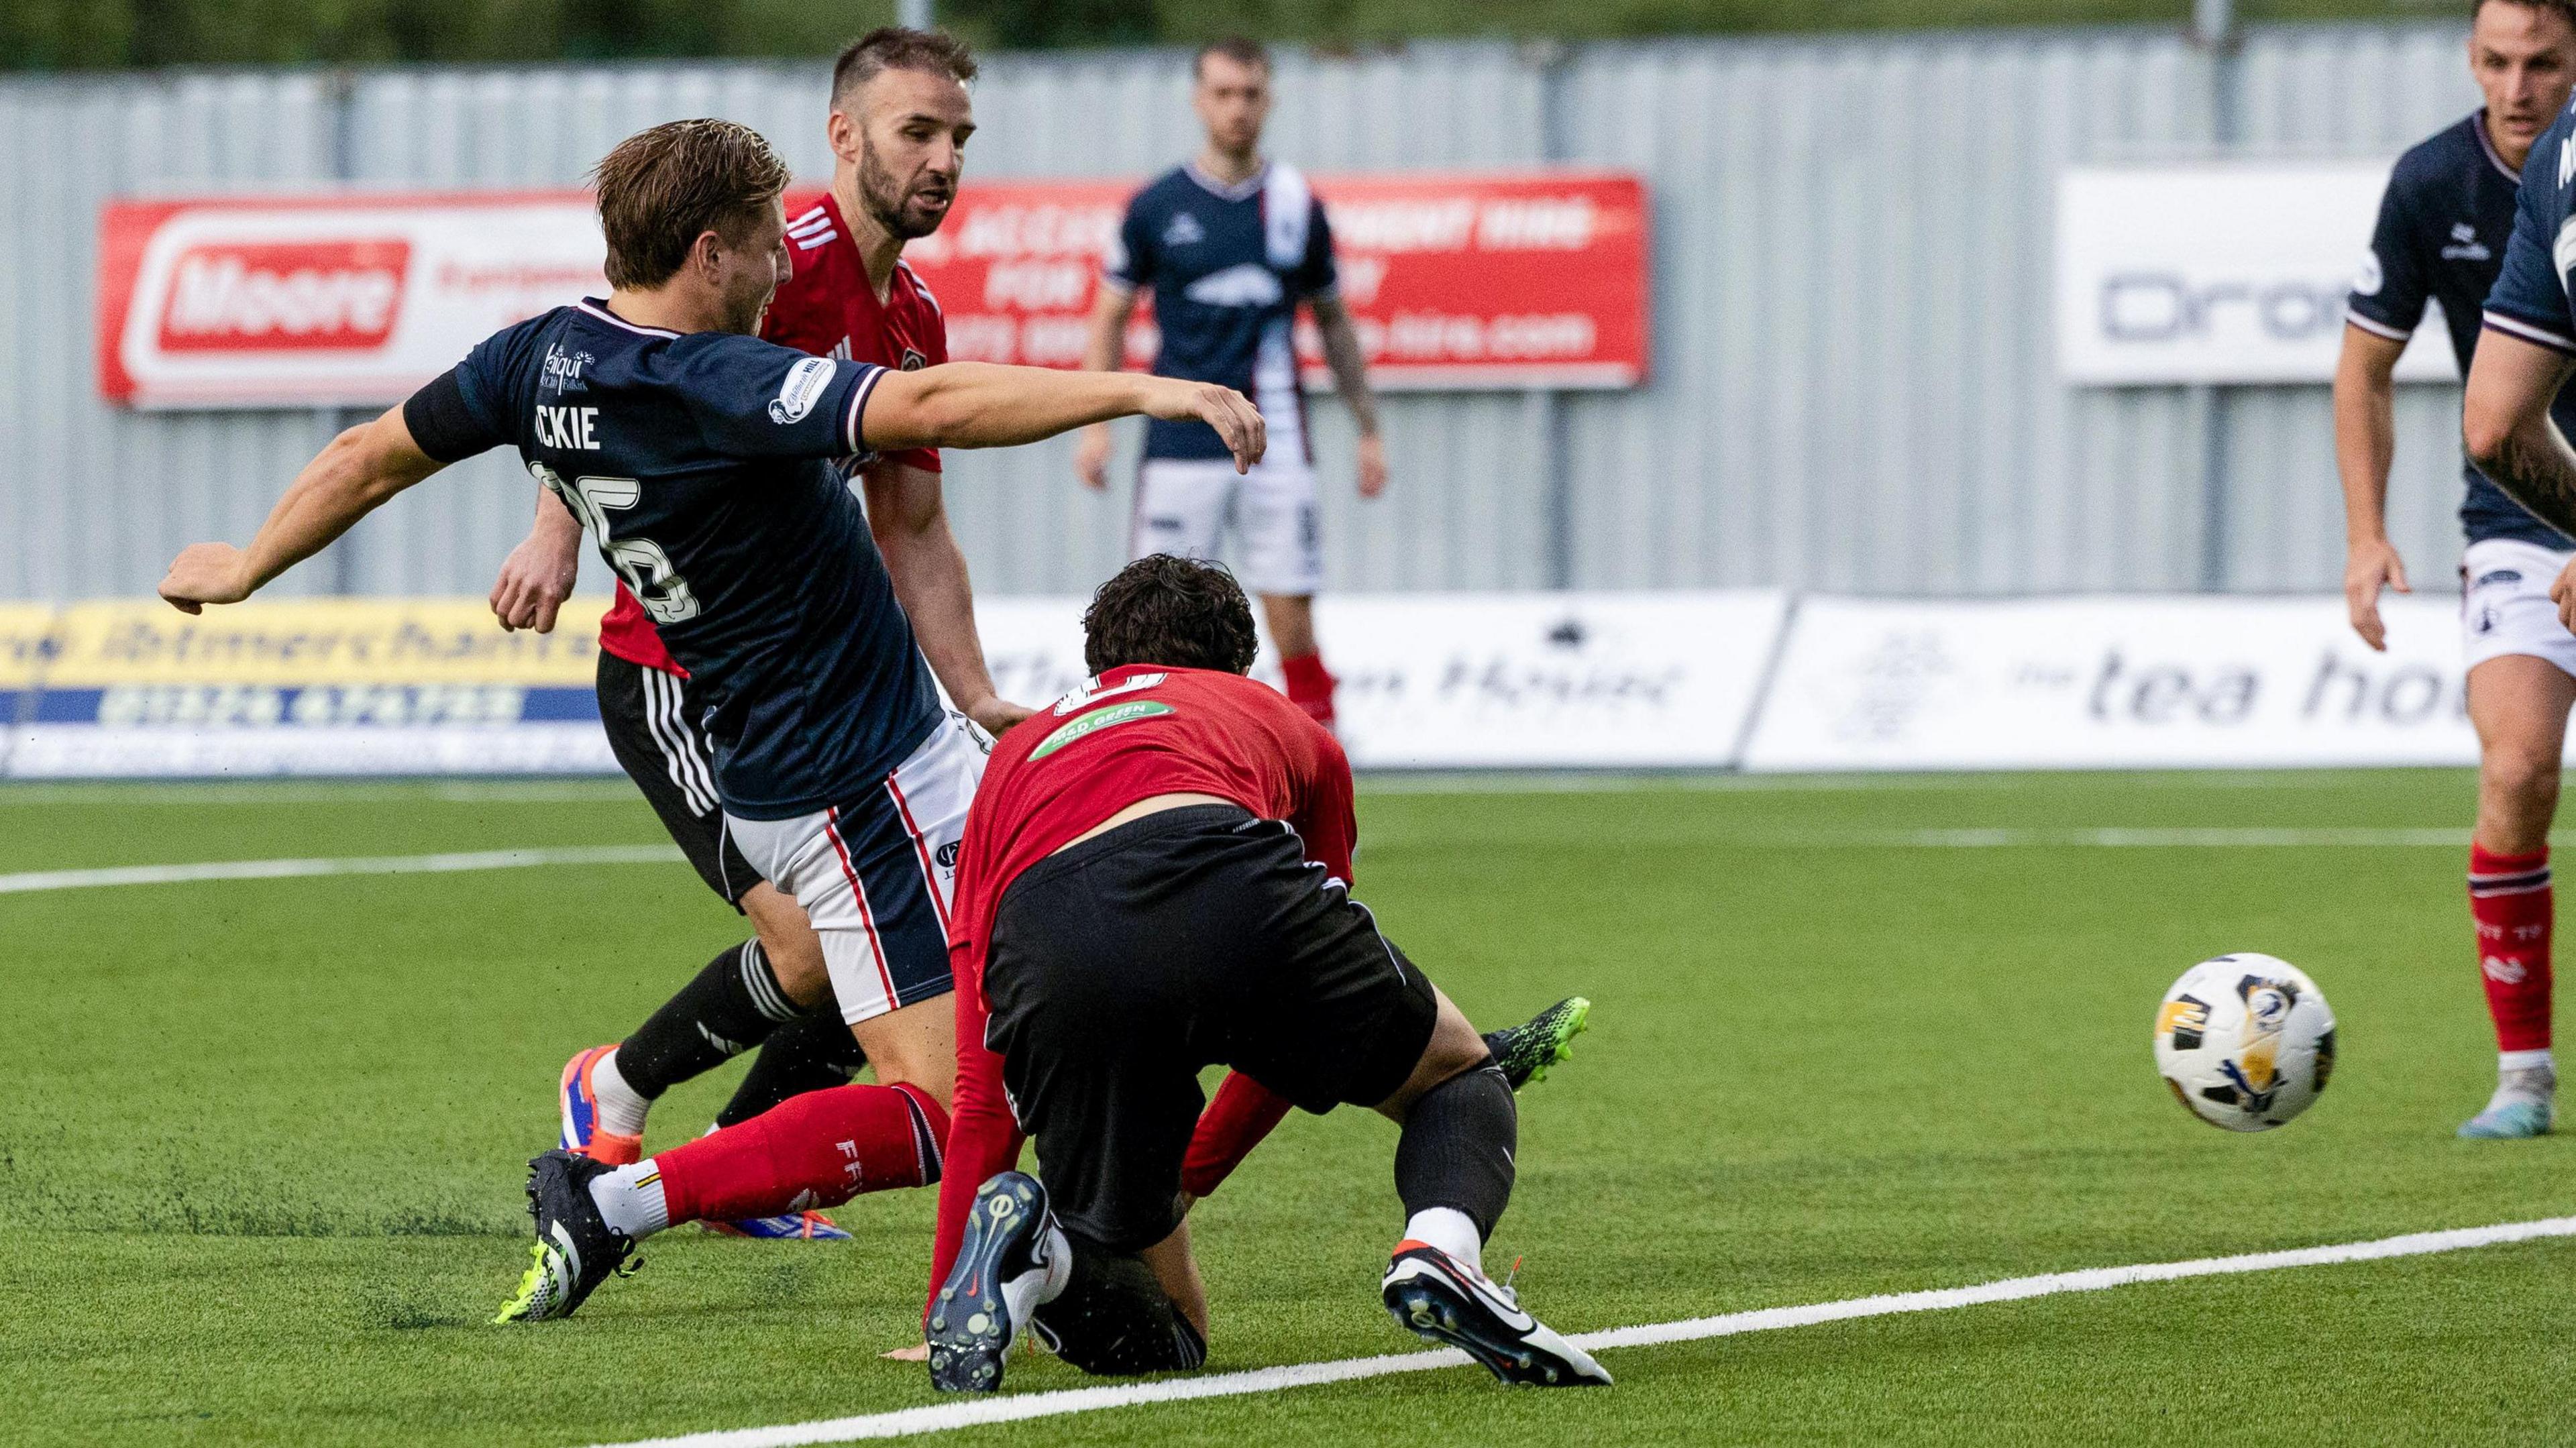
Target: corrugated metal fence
x,y
1854,382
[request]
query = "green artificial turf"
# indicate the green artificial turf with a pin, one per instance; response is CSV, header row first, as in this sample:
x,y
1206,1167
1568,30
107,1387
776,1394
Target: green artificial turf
x,y
261,1141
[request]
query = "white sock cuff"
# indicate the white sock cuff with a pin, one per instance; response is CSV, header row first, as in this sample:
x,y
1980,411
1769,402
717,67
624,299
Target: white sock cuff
x,y
1450,1230
631,1199
2526,1061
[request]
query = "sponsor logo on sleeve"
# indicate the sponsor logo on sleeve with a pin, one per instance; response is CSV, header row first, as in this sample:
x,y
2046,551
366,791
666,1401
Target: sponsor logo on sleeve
x,y
801,389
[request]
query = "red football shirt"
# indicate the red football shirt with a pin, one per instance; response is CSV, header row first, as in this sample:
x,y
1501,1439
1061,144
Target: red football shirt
x,y
826,308
1134,733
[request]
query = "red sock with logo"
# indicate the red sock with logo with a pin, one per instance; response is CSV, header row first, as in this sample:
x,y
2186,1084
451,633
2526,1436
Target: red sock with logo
x,y
1309,687
814,1150
2510,897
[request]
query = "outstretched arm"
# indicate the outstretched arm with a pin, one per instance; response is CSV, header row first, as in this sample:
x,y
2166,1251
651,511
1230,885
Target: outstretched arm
x,y
984,404
2505,424
909,516
356,473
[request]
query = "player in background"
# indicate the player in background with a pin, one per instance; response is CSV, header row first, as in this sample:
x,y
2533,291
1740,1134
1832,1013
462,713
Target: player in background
x,y
900,118
1229,244
2442,235
1154,882
700,460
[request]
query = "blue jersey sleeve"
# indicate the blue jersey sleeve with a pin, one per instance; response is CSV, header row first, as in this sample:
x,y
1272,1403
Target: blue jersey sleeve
x,y
756,399
1130,263
2388,297
2529,300
1316,275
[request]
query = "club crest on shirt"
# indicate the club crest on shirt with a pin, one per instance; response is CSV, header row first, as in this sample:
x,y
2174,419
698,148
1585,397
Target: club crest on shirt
x,y
912,361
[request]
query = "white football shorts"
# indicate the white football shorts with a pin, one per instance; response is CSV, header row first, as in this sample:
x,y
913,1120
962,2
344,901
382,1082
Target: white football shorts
x,y
2505,607
877,873
1184,505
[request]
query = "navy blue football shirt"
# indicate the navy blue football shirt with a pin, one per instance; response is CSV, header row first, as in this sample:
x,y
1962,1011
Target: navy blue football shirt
x,y
2444,224
1227,266
699,464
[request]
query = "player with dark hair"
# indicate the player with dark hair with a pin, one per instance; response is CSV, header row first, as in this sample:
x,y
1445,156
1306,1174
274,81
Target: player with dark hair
x,y
899,122
701,460
1230,244
1155,882
2442,235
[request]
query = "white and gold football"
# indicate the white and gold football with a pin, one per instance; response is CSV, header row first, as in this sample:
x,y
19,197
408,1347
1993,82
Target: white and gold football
x,y
2246,1041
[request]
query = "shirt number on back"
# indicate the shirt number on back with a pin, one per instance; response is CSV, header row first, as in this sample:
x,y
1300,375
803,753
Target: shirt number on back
x,y
640,561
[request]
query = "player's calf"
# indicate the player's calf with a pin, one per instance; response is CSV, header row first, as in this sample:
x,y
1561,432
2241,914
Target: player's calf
x,y
1454,1171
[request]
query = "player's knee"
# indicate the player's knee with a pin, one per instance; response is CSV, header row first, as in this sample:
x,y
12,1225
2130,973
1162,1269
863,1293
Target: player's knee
x,y
795,952
2522,781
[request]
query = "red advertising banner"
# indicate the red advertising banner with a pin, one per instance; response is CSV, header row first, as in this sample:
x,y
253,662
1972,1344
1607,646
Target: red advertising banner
x,y
1502,281
1535,279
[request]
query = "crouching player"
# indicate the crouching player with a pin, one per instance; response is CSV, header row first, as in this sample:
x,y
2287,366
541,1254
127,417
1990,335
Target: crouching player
x,y
1154,882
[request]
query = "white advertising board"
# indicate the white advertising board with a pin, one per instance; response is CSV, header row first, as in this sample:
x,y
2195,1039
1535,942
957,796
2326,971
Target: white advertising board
x,y
2218,273
1439,681
2087,683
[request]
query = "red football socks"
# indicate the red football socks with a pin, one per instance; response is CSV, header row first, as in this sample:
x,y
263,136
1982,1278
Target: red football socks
x,y
814,1150
1309,687
1243,1112
2510,897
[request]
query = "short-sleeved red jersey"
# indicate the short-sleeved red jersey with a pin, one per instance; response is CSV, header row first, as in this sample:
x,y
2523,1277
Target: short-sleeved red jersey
x,y
826,308
1134,733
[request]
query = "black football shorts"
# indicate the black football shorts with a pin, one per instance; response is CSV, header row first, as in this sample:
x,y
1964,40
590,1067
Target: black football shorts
x,y
1121,967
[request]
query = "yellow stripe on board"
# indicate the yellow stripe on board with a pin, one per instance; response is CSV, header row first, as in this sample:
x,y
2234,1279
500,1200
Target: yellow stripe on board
x,y
333,641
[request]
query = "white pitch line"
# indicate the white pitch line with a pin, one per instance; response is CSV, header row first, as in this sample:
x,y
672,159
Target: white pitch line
x,y
352,865
976,1412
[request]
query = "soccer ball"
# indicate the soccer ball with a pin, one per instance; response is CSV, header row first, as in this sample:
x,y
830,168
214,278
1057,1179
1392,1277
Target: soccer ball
x,y
2245,1041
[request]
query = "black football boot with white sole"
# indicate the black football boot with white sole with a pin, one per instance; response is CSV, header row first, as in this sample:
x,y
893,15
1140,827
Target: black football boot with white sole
x,y
993,1289
1446,1301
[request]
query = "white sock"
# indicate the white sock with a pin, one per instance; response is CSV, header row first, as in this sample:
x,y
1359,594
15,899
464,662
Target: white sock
x,y
621,1108
1450,1230
2508,1062
631,1199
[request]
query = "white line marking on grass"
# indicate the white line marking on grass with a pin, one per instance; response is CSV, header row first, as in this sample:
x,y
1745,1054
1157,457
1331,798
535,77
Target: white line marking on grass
x,y
2213,837
353,865
976,1412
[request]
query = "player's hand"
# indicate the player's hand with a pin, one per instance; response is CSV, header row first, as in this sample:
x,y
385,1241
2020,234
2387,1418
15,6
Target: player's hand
x,y
2369,567
995,715
1091,457
917,1353
2562,592
1372,465
1231,413
535,580
205,573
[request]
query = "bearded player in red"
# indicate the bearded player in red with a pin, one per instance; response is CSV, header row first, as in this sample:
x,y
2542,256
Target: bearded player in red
x,y
1155,882
900,120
